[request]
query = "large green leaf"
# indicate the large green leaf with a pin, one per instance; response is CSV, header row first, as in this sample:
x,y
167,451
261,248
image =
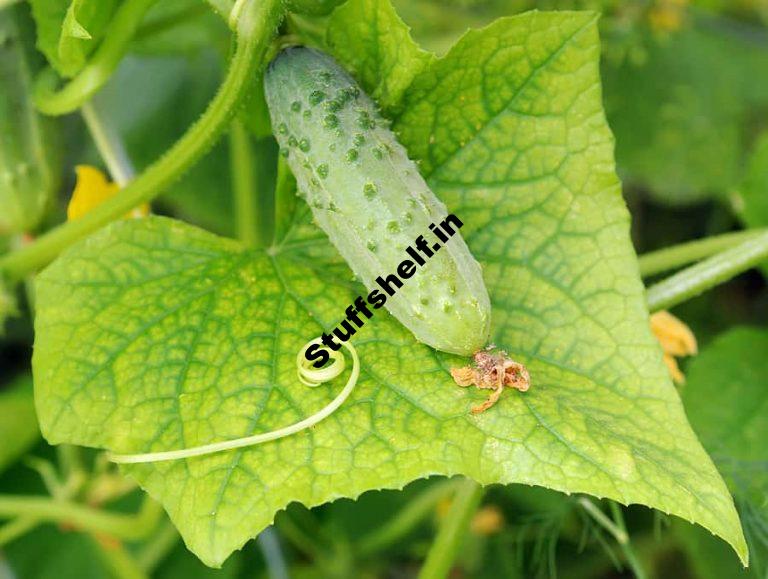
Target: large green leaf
x,y
370,39
727,402
18,426
155,335
69,30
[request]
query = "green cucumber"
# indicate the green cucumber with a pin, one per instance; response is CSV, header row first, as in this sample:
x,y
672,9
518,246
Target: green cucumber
x,y
27,176
371,201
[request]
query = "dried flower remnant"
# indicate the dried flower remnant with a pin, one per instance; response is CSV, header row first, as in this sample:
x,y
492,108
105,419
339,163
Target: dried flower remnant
x,y
492,370
676,340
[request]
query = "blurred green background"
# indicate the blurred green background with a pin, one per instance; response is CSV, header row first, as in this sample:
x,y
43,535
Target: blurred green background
x,y
686,94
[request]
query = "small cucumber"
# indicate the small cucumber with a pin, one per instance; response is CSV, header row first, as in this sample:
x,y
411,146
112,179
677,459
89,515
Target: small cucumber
x,y
27,175
371,201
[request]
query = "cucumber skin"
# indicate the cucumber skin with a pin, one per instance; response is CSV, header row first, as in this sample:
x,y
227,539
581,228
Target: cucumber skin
x,y
371,201
28,177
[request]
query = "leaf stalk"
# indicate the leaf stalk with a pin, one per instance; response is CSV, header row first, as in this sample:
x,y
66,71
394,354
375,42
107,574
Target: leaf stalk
x,y
707,274
684,254
122,526
452,531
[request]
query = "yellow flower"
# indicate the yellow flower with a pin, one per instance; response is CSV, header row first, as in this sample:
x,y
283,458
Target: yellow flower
x,y
676,340
92,189
667,15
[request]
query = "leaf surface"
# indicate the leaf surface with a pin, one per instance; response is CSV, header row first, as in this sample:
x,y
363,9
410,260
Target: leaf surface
x,y
69,30
726,400
375,45
153,335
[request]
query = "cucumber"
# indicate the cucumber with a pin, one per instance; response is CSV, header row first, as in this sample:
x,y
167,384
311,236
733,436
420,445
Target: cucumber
x,y
27,176
371,201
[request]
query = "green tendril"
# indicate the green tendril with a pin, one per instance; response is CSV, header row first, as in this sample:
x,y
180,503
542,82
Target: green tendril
x,y
307,375
100,67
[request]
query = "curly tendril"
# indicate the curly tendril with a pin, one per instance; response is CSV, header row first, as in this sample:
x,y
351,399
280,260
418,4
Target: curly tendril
x,y
307,375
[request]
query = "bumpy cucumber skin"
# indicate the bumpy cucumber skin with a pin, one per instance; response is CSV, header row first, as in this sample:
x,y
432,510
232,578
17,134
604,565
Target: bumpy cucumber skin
x,y
27,158
370,199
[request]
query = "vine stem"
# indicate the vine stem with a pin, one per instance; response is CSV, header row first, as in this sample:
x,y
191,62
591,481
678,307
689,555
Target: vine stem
x,y
407,518
707,274
452,530
244,186
257,24
285,200
100,67
617,529
686,253
127,527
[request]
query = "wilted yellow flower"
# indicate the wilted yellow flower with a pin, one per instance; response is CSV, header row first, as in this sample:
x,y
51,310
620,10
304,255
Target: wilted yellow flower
x,y
676,340
92,189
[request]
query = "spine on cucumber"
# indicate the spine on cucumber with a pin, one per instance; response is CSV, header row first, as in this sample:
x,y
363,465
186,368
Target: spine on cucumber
x,y
371,201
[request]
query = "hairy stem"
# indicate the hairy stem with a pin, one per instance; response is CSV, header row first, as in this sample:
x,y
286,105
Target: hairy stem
x,y
244,187
255,29
686,253
407,518
707,274
452,530
127,527
99,68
